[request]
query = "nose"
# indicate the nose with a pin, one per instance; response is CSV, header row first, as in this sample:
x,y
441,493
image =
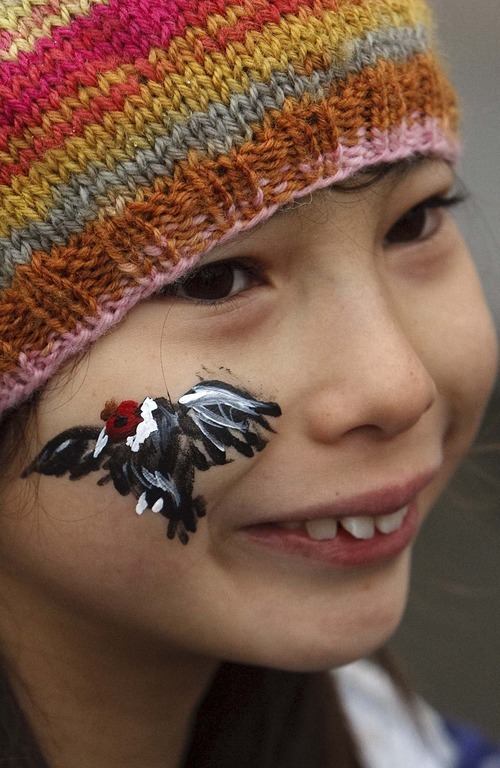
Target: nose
x,y
366,374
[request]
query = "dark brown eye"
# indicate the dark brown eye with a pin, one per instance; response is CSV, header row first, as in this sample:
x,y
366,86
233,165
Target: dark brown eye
x,y
212,283
422,221
208,284
418,224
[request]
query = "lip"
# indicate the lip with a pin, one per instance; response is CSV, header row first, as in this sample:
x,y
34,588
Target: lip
x,y
344,551
381,501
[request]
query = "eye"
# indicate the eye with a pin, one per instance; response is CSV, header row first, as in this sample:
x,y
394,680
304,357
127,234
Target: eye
x,y
422,221
213,283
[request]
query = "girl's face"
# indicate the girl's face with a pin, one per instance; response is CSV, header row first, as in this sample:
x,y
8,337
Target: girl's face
x,y
360,314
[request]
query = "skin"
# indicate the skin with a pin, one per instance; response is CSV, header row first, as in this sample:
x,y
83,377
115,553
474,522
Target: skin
x,y
381,356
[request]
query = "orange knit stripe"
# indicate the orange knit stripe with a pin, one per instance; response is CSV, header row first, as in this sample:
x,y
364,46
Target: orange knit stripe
x,y
61,288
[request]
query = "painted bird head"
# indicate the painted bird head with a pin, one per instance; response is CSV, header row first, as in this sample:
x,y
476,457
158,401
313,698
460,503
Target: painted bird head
x,y
121,420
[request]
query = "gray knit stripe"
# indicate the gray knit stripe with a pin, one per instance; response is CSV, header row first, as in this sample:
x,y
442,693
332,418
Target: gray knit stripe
x,y
213,133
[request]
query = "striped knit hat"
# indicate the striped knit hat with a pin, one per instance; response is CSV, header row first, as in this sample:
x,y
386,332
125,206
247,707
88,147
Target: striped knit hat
x,y
137,134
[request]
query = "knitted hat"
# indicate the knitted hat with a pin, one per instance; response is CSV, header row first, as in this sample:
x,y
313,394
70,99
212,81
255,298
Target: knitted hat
x,y
137,134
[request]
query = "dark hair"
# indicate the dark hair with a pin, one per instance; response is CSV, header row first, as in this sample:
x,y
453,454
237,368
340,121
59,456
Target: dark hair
x,y
265,718
271,719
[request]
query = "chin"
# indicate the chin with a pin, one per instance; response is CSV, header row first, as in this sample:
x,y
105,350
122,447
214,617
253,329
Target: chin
x,y
313,658
338,634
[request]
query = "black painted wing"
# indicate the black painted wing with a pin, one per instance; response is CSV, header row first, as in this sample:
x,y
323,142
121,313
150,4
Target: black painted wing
x,y
72,452
217,417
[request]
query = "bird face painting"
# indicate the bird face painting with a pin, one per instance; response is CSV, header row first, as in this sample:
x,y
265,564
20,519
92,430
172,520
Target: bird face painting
x,y
153,449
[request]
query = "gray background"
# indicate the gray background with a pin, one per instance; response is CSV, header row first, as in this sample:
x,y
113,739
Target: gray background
x,y
449,642
470,35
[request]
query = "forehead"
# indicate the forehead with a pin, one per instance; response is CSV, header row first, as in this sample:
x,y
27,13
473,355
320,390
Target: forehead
x,y
381,179
371,191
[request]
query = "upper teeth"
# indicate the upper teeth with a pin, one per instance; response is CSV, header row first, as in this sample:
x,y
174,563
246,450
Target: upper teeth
x,y
358,526
391,523
322,529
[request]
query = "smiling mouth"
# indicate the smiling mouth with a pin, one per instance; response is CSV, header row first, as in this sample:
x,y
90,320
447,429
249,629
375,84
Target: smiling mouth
x,y
349,541
359,526
338,535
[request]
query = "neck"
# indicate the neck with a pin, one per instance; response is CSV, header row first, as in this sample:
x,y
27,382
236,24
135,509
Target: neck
x,y
95,701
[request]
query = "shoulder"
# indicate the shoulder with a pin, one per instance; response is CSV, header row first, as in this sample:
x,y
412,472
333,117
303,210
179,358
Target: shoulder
x,y
386,727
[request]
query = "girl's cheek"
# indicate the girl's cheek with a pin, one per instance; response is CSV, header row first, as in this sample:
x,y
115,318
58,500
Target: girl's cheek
x,y
151,452
469,363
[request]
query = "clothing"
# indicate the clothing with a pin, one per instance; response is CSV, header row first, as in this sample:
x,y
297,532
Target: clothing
x,y
136,135
392,735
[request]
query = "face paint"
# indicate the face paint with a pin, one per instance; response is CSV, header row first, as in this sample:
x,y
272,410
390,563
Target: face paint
x,y
153,449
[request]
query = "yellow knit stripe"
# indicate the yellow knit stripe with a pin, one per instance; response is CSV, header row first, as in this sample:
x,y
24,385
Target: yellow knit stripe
x,y
178,66
25,27
186,86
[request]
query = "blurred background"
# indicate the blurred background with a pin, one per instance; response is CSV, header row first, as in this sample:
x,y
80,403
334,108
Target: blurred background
x,y
449,642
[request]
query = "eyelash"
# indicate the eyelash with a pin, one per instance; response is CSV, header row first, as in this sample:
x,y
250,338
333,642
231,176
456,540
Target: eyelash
x,y
440,201
252,270
436,202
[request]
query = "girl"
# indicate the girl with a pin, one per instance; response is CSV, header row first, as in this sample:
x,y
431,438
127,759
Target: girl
x,y
243,348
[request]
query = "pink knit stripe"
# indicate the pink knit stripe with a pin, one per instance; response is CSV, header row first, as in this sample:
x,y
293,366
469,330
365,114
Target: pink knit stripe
x,y
87,115
35,367
109,36
27,22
